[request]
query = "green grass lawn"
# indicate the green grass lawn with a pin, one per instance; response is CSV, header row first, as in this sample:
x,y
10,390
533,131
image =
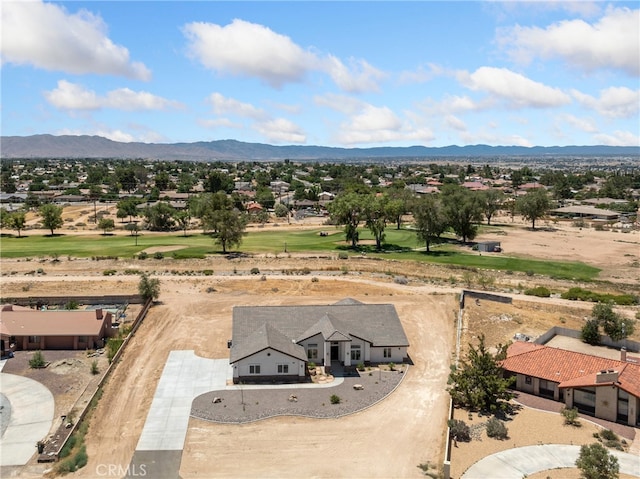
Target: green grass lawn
x,y
399,245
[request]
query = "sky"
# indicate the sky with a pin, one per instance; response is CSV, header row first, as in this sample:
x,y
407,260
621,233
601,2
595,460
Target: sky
x,y
353,74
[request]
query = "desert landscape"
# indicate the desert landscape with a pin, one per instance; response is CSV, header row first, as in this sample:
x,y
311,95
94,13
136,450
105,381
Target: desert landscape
x,y
390,439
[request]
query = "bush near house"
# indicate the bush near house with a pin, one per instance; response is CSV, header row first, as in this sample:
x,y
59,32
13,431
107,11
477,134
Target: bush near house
x,y
539,291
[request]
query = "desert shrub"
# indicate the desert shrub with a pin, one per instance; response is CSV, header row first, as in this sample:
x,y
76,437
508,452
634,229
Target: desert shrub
x,y
539,291
69,445
113,345
335,399
71,305
255,271
580,294
360,367
94,367
81,458
608,435
109,272
570,416
143,255
37,360
207,272
529,273
132,271
314,279
459,430
311,365
306,270
400,280
158,255
497,429
343,255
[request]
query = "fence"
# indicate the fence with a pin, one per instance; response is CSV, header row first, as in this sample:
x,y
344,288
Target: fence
x,y
110,369
633,346
62,300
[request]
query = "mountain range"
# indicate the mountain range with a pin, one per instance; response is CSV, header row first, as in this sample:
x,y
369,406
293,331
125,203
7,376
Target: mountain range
x,y
67,146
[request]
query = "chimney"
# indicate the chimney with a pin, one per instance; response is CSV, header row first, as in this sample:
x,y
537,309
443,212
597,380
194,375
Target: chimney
x,y
623,354
99,313
607,376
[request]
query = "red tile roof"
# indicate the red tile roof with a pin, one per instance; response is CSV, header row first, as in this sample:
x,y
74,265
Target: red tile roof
x,y
569,368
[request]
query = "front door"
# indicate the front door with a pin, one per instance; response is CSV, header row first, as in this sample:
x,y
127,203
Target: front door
x,y
335,352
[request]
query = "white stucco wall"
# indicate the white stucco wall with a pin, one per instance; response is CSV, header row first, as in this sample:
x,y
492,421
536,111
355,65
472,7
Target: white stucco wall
x,y
268,361
398,354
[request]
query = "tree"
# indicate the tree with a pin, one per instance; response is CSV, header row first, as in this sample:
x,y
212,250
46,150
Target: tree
x,y
51,216
462,209
183,218
149,288
534,205
491,202
95,192
375,217
614,325
218,181
265,197
430,221
281,210
477,383
106,225
347,209
127,207
15,220
596,462
229,226
160,217
590,332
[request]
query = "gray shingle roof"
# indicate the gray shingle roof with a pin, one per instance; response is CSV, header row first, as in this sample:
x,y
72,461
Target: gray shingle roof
x,y
266,336
377,323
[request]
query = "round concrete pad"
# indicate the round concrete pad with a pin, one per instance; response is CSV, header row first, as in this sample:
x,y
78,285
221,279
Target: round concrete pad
x,y
32,409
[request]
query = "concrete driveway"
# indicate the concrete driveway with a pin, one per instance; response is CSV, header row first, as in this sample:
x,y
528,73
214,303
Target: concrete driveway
x,y
523,461
32,410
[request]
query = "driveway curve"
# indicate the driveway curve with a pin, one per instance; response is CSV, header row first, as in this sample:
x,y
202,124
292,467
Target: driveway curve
x,y
32,410
523,461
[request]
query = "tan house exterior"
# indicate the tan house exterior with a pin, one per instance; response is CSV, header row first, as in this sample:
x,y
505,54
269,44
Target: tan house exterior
x,y
274,343
30,329
605,388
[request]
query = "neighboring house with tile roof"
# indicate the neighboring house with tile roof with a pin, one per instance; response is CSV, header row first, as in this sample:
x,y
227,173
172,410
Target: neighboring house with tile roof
x,y
276,342
28,329
601,387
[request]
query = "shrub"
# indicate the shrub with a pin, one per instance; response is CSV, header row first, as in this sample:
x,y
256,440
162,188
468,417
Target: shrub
x,y
608,435
459,430
497,429
570,416
255,271
306,270
109,272
66,450
343,255
314,279
539,291
94,367
590,333
207,272
335,399
71,305
360,367
392,366
113,344
37,360
400,280
311,365
158,255
143,255
529,273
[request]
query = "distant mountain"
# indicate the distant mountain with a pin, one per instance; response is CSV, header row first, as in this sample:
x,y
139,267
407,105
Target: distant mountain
x,y
50,146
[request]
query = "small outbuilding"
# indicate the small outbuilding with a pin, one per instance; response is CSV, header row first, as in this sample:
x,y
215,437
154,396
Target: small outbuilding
x,y
489,247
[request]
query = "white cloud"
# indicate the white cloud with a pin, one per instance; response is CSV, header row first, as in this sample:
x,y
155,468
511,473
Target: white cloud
x,y
219,123
251,50
144,136
456,123
342,103
583,124
72,96
248,49
516,89
618,138
614,102
229,106
281,130
493,139
360,76
379,125
611,42
421,74
47,36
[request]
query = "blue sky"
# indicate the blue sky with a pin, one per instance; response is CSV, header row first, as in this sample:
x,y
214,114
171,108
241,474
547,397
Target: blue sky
x,y
347,74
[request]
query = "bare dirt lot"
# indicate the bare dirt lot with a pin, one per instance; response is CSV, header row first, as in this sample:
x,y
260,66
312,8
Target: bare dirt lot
x,y
388,440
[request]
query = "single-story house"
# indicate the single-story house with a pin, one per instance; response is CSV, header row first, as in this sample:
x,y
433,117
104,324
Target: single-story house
x,y
276,342
605,388
28,329
489,246
590,212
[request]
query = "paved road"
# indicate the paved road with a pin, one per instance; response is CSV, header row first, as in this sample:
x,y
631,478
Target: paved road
x,y
32,410
523,461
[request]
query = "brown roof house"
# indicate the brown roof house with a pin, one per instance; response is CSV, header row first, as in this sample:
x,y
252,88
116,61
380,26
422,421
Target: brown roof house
x,y
274,343
25,328
605,388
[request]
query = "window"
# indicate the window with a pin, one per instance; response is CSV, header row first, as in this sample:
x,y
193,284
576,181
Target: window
x,y
254,369
355,352
312,351
283,369
527,379
83,339
34,339
386,353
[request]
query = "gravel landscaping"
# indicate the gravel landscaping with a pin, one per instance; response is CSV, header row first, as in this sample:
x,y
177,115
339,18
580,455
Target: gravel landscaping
x,y
251,403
